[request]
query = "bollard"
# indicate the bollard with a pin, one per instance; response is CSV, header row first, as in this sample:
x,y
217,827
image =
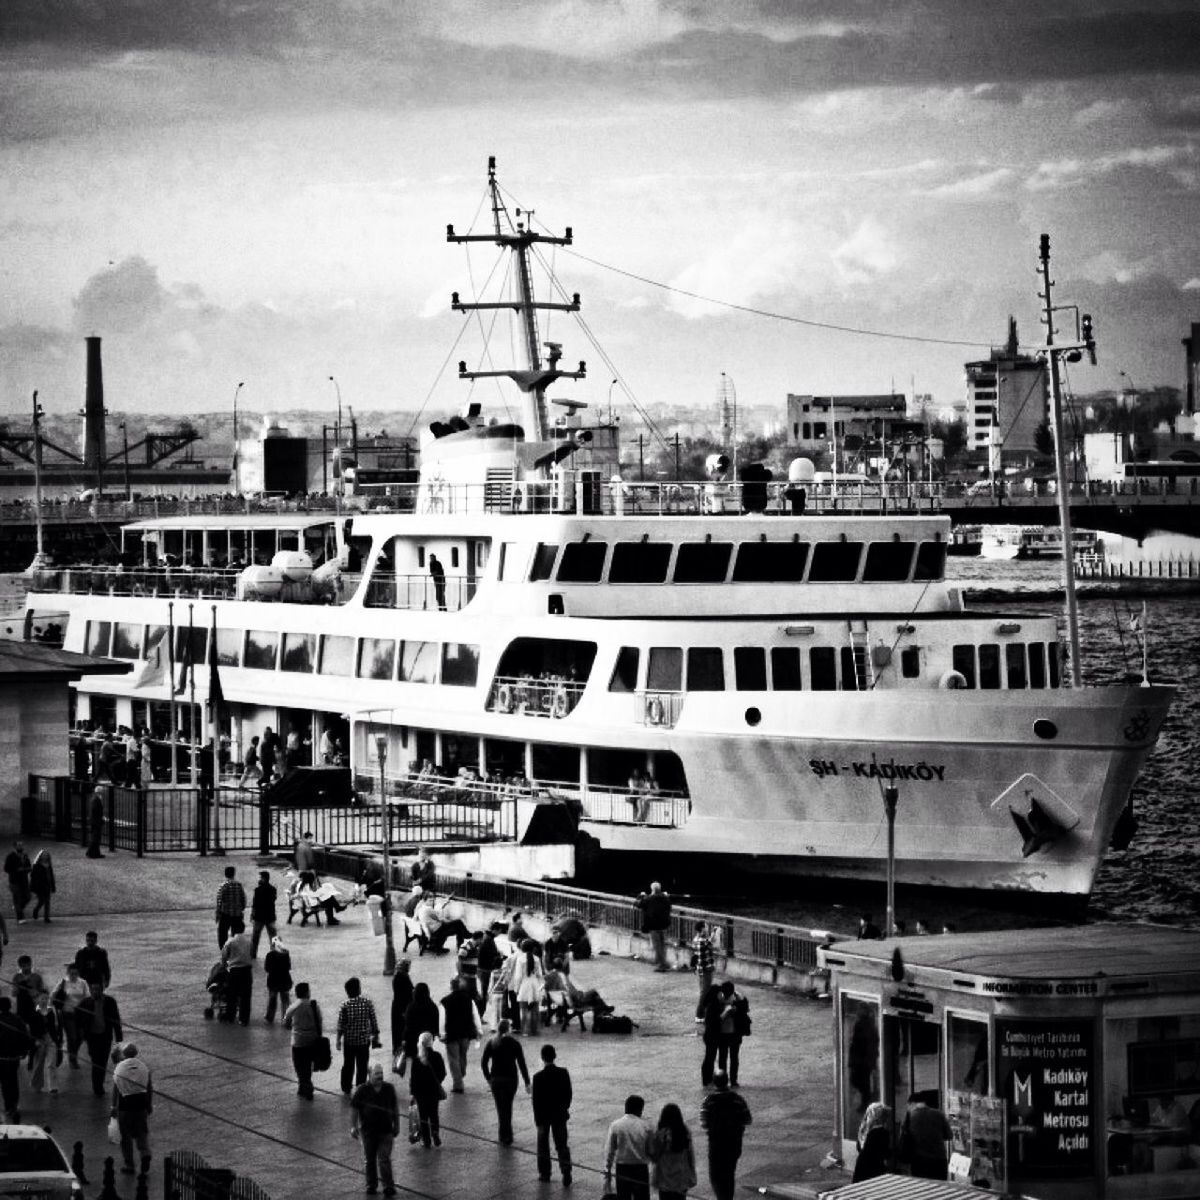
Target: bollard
x,y
108,1187
77,1163
143,1186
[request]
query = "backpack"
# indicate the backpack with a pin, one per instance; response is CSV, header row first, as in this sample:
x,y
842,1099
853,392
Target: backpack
x,y
609,1023
741,1017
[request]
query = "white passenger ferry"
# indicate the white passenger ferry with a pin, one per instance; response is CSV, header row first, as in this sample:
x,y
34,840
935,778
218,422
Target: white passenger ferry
x,y
705,673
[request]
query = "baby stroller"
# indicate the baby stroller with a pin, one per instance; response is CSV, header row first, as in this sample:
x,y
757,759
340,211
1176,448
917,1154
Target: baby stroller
x,y
217,987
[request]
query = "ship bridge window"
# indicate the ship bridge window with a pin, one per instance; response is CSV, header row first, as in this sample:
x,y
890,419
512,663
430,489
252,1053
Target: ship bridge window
x,y
770,562
337,655
888,562
530,658
460,664
377,658
664,671
418,662
706,669
1037,664
989,666
543,562
703,562
750,668
299,652
127,640
582,562
835,562
963,660
910,662
229,647
931,561
625,672
98,638
262,648
785,669
1014,664
822,662
640,562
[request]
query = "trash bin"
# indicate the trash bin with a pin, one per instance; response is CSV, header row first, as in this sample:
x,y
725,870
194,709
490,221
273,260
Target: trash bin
x,y
375,912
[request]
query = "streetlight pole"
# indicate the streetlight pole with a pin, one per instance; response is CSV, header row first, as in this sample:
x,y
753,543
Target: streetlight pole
x,y
338,428
385,836
237,458
125,439
39,562
610,388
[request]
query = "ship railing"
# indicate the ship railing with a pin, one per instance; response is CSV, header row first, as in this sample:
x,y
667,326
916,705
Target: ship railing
x,y
432,801
526,695
655,706
418,592
660,808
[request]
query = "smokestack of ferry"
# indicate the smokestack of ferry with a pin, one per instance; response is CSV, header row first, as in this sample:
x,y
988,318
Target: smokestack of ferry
x,y
94,449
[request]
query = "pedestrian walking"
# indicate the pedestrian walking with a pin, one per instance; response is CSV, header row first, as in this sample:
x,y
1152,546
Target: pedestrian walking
x,y
92,960
489,958
528,981
14,1047
100,1019
278,968
95,824
262,910
303,1018
357,1033
239,964
656,920
27,985
735,1025
724,1116
231,906
426,1088
502,1062
711,1009
402,997
18,867
551,1095
672,1156
132,1104
41,884
375,1122
500,991
704,963
627,1153
468,964
460,1027
251,771
71,990
46,1036
421,1016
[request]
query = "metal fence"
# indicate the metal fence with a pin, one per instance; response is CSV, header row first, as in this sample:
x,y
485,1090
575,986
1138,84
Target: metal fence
x,y
187,1176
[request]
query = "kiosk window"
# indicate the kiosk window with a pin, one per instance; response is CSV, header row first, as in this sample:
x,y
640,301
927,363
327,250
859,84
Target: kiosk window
x,y
969,1054
860,1059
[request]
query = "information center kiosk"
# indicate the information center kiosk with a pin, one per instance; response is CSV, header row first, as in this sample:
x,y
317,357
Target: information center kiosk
x,y
1067,1061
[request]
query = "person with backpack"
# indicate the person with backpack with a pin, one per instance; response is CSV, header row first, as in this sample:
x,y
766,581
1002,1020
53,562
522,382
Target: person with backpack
x,y
303,1018
735,1025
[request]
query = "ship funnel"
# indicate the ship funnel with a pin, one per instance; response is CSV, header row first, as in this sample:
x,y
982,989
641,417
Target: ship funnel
x,y
94,448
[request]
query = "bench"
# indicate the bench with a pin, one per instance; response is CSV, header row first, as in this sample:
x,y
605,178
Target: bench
x,y
413,932
557,1007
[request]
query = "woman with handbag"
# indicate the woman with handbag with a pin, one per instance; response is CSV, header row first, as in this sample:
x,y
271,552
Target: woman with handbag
x,y
672,1155
425,1086
303,1018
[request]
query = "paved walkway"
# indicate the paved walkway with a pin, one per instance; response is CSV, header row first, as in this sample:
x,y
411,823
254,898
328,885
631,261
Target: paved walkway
x,y
228,1093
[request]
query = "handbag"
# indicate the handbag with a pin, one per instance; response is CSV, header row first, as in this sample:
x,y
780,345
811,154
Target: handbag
x,y
399,1062
322,1054
114,1131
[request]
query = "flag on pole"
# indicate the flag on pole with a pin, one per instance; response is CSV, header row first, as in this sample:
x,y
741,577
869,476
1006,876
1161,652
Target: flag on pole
x,y
185,663
157,665
216,697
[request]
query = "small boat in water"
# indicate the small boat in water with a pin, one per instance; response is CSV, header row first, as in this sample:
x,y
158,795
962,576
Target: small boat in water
x,y
1035,541
706,675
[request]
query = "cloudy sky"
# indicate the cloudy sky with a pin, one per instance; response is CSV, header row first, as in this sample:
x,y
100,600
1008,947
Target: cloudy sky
x,y
258,190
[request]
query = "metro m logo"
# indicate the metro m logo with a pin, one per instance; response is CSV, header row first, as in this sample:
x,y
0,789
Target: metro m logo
x,y
1022,1091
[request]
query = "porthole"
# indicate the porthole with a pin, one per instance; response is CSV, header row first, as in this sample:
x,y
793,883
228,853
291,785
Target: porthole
x,y
1046,730
753,716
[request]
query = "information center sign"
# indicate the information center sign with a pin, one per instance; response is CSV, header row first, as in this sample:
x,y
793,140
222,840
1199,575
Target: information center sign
x,y
1046,1072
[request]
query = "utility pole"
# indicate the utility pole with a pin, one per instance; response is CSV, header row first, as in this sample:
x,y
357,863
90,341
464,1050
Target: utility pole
x,y
677,454
39,562
642,457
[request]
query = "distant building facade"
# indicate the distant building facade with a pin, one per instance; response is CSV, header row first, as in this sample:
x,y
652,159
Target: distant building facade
x,y
1008,399
819,423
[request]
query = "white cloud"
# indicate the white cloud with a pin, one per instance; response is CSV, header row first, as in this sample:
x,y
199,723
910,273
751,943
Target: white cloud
x,y
975,185
866,254
1070,171
1192,285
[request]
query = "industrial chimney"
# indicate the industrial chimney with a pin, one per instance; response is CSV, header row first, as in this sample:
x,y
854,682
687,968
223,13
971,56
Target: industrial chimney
x,y
94,448
1192,346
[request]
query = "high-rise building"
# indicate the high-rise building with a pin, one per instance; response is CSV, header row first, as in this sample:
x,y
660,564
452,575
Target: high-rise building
x,y
1008,398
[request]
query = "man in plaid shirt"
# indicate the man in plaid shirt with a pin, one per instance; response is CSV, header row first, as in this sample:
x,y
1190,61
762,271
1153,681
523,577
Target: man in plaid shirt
x,y
357,1032
231,906
703,961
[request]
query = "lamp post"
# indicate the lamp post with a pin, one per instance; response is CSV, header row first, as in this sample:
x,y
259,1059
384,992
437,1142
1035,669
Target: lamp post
x,y
385,836
125,440
610,388
338,427
237,464
40,562
890,796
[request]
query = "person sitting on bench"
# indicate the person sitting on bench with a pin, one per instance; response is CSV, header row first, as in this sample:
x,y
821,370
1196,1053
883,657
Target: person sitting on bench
x,y
437,928
578,999
315,900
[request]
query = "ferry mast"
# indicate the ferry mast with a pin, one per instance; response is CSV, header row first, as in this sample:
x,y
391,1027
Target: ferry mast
x,y
537,376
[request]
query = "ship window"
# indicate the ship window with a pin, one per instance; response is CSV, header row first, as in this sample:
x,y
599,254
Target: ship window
x,y
582,562
639,562
262,645
1037,664
418,661
420,554
963,659
703,562
910,662
377,658
854,668
1053,655
664,671
299,652
155,635
822,662
835,562
770,562
706,669
931,561
453,556
460,664
262,543
191,644
127,640
625,673
337,655
785,669
543,562
750,668
989,666
99,635
229,646
888,562
1014,661
820,430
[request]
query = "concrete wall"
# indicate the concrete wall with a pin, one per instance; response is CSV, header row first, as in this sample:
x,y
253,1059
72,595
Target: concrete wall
x,y
34,720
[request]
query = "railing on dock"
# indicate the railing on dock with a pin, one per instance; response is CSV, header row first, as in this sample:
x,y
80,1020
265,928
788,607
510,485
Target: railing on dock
x,y
1098,566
